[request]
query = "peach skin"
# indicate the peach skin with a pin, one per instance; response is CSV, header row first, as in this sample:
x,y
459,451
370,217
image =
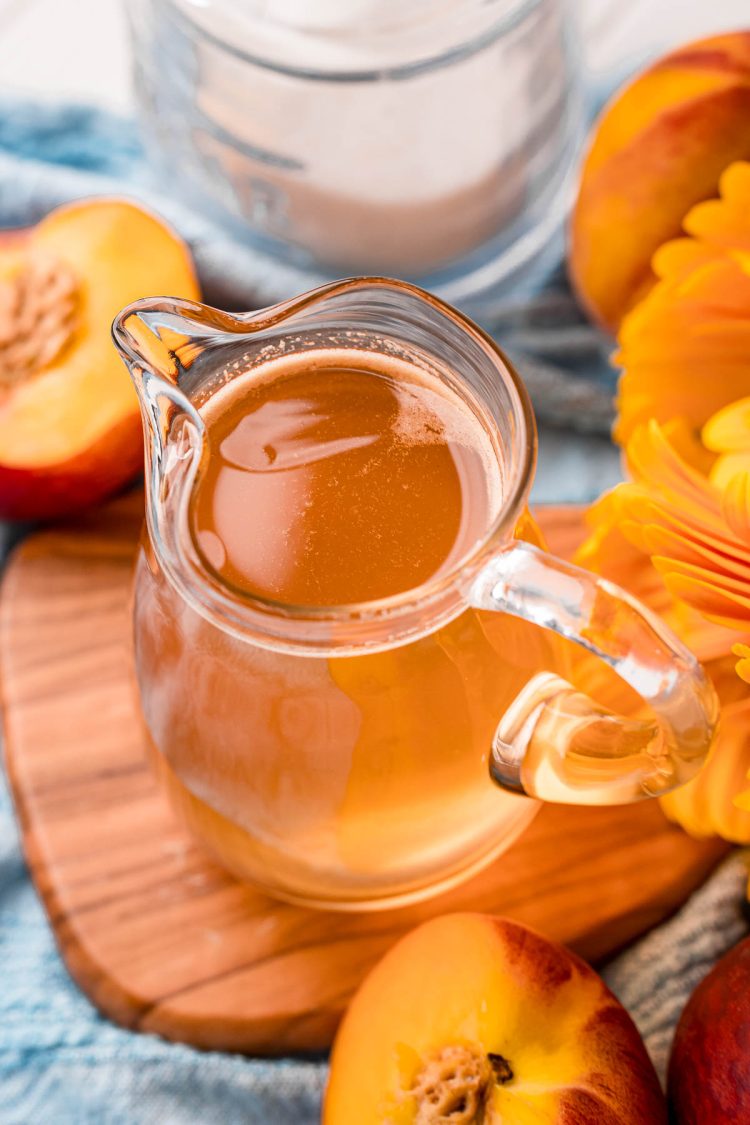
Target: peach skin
x,y
70,429
475,1020
709,1079
658,148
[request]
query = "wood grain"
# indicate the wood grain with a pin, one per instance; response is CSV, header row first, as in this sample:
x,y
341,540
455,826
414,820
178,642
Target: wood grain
x,y
156,934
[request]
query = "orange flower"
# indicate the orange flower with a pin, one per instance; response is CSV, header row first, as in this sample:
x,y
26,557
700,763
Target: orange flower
x,y
625,523
728,434
678,532
713,803
685,349
696,534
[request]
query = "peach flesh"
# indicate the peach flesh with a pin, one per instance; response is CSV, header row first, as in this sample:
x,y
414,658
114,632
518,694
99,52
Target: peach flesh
x,y
473,1020
70,430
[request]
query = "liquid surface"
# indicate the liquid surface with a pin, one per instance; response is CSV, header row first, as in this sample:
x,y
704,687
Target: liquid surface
x,y
329,485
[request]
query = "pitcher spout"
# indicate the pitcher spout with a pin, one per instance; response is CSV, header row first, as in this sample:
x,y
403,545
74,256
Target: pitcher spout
x,y
152,340
155,339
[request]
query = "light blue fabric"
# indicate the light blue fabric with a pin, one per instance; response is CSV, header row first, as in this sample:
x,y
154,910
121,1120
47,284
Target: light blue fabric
x,y
60,1062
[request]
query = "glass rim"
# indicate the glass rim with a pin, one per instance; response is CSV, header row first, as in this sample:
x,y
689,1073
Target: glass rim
x,y
504,25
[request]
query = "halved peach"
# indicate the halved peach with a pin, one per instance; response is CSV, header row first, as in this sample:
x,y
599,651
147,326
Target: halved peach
x,y
474,1020
70,430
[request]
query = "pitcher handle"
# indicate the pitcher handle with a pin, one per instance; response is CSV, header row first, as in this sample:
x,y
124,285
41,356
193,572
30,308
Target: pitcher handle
x,y
554,742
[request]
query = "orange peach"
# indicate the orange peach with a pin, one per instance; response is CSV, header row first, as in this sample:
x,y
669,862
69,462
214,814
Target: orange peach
x,y
70,430
474,1020
658,148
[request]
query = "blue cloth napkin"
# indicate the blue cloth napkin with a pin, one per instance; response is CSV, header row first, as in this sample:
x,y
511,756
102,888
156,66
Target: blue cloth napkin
x,y
60,1062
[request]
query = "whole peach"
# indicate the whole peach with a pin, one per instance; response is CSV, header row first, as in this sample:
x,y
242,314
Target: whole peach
x,y
475,1020
709,1071
658,148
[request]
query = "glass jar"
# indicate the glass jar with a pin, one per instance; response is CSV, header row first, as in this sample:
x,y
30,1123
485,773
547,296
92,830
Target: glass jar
x,y
434,140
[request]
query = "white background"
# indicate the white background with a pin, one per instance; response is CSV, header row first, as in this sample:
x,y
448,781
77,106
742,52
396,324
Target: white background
x,y
79,48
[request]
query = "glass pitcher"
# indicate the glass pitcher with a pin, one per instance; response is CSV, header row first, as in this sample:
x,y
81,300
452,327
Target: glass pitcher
x,y
364,756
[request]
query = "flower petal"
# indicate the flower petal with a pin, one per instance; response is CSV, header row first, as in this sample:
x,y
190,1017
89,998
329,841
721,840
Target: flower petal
x,y
736,505
728,431
743,665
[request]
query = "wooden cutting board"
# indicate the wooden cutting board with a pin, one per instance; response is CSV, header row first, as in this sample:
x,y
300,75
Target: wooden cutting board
x,y
154,932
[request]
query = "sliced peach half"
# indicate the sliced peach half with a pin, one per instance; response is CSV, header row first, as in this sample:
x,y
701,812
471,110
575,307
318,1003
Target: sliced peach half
x,y
70,430
474,1020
